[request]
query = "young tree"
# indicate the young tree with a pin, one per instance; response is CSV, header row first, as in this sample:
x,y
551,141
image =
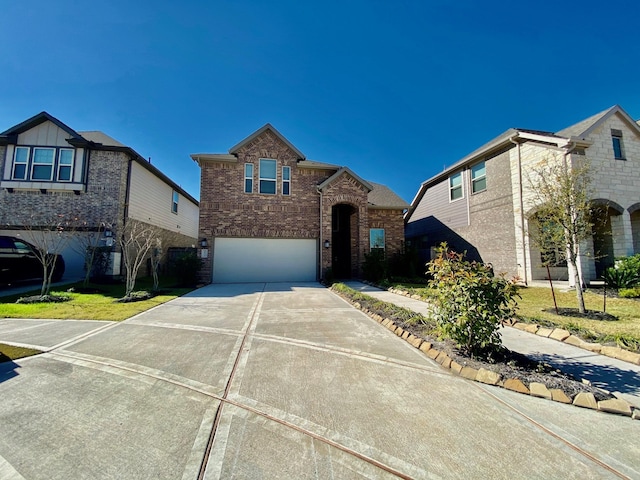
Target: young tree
x,y
88,245
561,195
136,242
50,235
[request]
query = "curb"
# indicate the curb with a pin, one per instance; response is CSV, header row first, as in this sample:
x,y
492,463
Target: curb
x,y
558,334
583,399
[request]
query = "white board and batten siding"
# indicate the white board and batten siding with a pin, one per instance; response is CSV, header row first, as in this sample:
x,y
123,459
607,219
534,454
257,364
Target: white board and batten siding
x,y
249,260
150,200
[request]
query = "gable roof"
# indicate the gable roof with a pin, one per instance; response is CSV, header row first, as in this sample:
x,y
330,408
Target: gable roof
x,y
384,198
339,173
259,132
95,140
585,127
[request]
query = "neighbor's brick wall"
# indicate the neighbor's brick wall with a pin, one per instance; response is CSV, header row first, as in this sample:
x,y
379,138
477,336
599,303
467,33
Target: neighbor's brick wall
x,y
103,201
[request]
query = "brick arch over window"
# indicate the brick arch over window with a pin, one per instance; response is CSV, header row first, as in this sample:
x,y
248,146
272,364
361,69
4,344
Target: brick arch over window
x,y
634,208
602,202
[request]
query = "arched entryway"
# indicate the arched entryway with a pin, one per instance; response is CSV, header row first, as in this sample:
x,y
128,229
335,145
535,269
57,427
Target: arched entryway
x,y
603,242
634,213
344,247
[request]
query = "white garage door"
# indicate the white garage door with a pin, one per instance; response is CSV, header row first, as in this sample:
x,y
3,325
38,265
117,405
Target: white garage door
x,y
239,260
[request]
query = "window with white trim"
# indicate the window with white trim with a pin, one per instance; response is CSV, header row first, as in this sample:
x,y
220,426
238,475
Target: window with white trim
x,y
20,163
175,198
286,180
42,164
478,178
248,178
455,187
65,165
268,172
376,238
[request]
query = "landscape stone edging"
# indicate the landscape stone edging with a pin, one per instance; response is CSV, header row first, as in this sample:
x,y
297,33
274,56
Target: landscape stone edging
x,y
557,334
583,399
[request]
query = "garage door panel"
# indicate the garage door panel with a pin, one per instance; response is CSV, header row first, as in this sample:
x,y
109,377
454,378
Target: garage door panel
x,y
239,260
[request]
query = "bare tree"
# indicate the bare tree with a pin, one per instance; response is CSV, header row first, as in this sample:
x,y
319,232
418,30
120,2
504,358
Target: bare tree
x,y
89,245
50,236
137,241
561,194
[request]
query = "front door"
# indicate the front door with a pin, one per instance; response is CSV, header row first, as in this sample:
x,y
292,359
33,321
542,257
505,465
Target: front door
x,y
341,240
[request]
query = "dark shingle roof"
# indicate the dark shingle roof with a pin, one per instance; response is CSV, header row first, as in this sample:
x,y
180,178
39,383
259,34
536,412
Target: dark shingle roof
x,y
383,197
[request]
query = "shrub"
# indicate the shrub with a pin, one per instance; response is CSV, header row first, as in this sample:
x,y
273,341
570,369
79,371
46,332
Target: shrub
x,y
186,267
375,266
621,276
469,301
629,292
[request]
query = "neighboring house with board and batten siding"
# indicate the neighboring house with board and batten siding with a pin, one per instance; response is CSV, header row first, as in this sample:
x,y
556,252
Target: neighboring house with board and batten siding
x,y
269,214
47,169
484,204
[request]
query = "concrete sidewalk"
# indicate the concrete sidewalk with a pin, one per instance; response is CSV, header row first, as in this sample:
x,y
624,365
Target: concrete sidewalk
x,y
603,372
279,381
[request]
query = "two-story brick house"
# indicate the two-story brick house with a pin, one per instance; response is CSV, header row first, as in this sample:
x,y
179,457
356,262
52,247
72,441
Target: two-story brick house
x,y
269,214
47,168
484,204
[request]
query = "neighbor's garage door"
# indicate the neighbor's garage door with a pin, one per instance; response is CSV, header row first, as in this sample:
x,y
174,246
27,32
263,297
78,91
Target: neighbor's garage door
x,y
237,260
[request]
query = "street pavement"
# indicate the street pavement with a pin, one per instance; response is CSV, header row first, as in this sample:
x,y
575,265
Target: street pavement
x,y
262,381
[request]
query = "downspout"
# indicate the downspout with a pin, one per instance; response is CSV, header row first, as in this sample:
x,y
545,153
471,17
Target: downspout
x,y
321,245
125,210
521,200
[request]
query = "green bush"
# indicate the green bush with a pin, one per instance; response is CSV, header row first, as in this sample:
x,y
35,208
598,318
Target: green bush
x,y
623,275
185,268
469,301
633,292
375,266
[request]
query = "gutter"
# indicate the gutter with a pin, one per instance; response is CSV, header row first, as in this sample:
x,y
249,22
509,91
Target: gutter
x,y
521,199
321,245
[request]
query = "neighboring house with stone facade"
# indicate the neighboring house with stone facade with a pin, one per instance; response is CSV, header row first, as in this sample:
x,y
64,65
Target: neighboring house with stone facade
x,y
50,169
483,204
269,214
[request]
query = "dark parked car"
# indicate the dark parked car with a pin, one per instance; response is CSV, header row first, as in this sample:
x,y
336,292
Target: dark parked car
x,y
19,262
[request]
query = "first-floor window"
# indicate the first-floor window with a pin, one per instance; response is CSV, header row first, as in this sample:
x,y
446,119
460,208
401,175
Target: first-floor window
x,y
455,186
376,238
286,180
248,178
268,170
20,162
174,202
42,168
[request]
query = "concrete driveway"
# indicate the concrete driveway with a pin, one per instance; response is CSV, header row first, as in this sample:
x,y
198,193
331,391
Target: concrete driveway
x,y
280,381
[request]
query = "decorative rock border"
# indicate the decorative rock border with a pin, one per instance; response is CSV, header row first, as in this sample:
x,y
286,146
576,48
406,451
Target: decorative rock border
x,y
482,375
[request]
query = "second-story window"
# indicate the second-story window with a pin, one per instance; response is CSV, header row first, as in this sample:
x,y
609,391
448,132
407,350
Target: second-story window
x,y
268,171
478,178
618,146
248,178
175,198
20,162
65,165
455,186
42,168
286,180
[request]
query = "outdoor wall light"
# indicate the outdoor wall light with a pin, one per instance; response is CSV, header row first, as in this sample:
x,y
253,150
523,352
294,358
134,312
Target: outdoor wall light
x,y
327,244
203,243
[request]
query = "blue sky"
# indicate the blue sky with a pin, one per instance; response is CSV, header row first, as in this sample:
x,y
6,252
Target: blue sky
x,y
394,90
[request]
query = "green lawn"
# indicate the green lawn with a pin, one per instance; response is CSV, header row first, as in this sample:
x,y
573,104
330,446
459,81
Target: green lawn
x,y
9,352
535,300
88,306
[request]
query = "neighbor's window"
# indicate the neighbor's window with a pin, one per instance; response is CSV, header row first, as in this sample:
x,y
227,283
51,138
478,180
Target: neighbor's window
x,y
618,147
478,178
455,186
286,180
268,169
65,165
376,238
174,201
20,161
248,178
42,168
